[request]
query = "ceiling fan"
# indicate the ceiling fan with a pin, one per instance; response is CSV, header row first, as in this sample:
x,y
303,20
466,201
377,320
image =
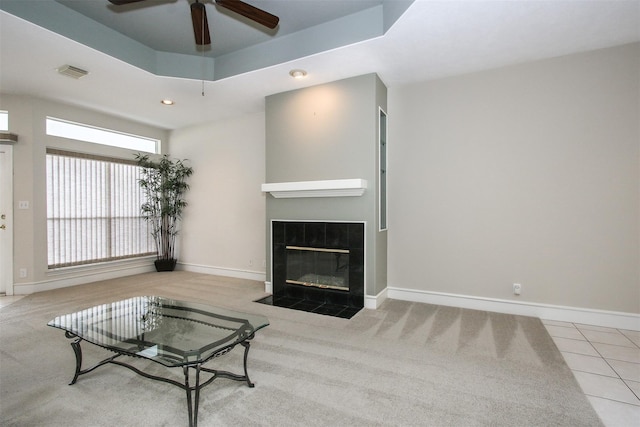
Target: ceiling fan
x,y
199,16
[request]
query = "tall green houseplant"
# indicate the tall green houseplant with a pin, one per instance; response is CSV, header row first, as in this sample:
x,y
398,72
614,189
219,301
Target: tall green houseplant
x,y
164,184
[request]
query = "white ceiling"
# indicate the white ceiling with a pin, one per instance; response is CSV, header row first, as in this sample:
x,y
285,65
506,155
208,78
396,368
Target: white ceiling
x,y
432,39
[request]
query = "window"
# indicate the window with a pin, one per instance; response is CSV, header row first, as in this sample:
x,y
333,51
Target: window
x,y
4,120
65,129
93,210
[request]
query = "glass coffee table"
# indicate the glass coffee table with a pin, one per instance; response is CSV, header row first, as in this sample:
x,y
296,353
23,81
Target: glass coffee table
x,y
176,334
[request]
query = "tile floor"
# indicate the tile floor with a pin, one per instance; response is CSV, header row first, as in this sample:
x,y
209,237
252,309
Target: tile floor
x,y
606,364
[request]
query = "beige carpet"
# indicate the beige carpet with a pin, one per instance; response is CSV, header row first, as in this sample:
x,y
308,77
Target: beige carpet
x,y
405,364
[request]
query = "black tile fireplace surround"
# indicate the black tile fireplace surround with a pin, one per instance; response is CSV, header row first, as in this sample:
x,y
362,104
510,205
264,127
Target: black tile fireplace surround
x,y
334,236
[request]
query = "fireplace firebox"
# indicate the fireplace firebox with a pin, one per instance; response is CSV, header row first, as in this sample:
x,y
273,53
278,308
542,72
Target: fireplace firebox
x,y
319,265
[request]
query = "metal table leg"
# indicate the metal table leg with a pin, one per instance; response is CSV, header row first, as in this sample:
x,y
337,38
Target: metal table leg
x,y
193,401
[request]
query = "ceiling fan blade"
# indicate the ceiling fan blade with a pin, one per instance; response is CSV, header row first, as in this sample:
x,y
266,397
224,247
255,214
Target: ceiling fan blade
x,y
200,24
251,12
121,2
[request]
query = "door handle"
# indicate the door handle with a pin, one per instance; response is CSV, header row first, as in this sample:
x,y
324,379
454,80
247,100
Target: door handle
x,y
2,227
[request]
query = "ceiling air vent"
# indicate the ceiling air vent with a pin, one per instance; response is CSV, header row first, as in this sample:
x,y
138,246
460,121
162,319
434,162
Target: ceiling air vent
x,y
71,71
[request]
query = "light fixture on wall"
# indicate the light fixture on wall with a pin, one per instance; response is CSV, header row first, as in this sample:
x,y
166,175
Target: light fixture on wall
x,y
167,102
298,74
8,137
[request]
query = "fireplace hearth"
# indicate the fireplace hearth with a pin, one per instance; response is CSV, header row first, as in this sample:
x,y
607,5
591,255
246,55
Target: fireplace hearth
x,y
318,267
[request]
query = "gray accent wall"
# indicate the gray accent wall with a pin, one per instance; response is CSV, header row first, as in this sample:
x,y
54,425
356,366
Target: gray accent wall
x,y
328,132
526,174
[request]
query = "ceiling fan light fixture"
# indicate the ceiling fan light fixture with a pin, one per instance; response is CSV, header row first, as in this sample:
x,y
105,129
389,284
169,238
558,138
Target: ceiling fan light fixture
x,y
298,74
167,101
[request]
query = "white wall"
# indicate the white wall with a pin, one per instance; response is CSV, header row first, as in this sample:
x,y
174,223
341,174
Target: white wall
x,y
527,174
27,119
223,226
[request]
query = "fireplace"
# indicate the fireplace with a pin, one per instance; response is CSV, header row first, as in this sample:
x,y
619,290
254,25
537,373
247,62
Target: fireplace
x,y
322,268
318,266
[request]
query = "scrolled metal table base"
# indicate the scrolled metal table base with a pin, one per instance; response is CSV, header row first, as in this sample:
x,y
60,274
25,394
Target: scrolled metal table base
x,y
192,401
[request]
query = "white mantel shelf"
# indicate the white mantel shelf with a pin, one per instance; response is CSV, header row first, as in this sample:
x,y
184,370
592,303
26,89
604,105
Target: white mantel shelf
x,y
328,188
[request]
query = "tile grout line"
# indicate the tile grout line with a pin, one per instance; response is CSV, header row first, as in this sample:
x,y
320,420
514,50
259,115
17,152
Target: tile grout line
x,y
612,400
608,364
632,341
598,355
625,382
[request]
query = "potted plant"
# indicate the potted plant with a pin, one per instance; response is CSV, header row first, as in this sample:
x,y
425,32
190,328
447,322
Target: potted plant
x,y
164,184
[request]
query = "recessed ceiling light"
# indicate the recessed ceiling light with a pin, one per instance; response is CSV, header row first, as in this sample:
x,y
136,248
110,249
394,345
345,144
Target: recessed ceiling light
x,y
298,74
167,102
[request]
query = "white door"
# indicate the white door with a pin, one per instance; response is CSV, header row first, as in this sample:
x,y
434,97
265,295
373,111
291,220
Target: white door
x,y
6,219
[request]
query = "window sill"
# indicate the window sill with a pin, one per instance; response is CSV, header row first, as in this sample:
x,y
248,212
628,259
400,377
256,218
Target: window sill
x,y
101,267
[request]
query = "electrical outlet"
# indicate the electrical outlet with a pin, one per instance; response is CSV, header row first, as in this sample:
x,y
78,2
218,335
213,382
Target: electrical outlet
x,y
251,262
517,288
22,273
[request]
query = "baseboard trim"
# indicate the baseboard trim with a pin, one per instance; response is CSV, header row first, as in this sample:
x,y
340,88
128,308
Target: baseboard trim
x,y
222,271
373,302
65,280
587,316
611,319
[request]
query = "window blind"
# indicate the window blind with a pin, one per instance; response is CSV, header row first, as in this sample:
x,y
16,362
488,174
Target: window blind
x,y
93,210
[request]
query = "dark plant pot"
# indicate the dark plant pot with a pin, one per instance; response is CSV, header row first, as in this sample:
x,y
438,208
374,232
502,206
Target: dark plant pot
x,y
165,264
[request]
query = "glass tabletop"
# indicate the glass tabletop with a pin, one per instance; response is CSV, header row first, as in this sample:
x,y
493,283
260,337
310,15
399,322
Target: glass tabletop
x,y
171,332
